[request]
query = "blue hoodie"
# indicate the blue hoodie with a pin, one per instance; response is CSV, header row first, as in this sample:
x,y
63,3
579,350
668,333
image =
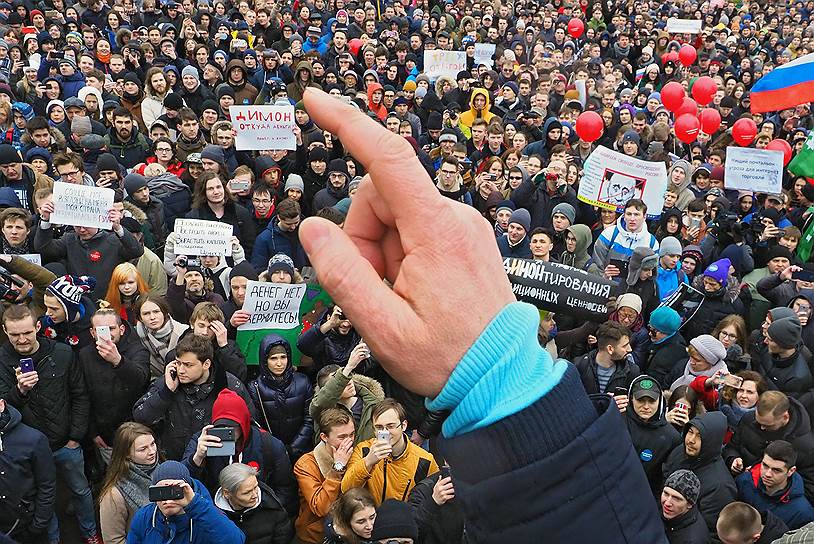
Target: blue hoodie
x,y
200,523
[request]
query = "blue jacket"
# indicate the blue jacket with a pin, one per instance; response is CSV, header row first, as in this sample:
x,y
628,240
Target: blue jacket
x,y
668,280
273,240
521,250
791,505
201,523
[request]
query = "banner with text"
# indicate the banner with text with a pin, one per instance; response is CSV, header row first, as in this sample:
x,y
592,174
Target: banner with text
x,y
82,205
683,26
263,127
438,62
610,179
758,170
559,288
200,237
484,53
272,305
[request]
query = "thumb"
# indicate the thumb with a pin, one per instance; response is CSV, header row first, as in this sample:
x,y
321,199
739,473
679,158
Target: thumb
x,y
349,278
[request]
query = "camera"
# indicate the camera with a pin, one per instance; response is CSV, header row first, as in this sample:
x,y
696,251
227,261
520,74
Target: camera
x,y
185,262
158,493
8,287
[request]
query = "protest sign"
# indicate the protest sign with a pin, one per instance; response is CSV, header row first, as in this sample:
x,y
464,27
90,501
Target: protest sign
x,y
200,237
683,26
438,62
82,205
313,306
484,53
272,305
610,179
559,288
686,300
263,127
758,170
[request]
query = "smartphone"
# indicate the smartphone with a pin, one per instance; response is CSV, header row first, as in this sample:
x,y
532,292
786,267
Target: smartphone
x,y
620,264
619,391
803,275
157,493
491,177
103,332
446,472
733,381
682,406
174,375
227,442
51,13
27,365
695,223
383,436
240,184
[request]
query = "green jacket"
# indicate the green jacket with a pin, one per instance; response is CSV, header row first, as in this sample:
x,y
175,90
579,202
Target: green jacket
x,y
327,396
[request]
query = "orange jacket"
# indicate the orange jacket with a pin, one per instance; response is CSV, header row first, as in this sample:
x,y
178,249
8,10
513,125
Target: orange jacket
x,y
317,493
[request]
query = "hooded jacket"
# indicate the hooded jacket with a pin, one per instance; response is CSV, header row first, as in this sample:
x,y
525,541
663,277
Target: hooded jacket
x,y
653,439
275,240
579,258
200,523
28,485
379,109
789,504
791,375
260,450
282,403
296,88
685,194
245,92
749,442
332,348
266,522
717,486
368,390
540,203
58,406
471,114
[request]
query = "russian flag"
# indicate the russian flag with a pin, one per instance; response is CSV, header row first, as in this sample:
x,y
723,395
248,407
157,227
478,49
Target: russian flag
x,y
786,86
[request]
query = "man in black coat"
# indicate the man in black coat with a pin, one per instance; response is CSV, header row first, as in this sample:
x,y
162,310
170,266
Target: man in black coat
x,y
740,522
776,417
51,398
117,373
28,485
682,522
609,368
439,517
668,349
701,453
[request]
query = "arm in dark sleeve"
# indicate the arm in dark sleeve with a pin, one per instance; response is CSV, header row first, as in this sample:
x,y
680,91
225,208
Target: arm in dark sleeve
x,y
45,478
280,473
732,450
304,441
153,406
130,248
80,401
192,446
232,360
766,286
212,523
310,342
523,195
425,511
44,243
177,301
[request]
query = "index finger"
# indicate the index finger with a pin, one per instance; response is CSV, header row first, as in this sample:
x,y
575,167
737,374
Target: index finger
x,y
389,159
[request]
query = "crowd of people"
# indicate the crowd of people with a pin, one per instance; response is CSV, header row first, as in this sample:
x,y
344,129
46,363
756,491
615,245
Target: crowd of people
x,y
430,408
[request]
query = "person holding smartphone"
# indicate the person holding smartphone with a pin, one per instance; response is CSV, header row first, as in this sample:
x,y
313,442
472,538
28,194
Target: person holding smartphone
x,y
332,342
191,518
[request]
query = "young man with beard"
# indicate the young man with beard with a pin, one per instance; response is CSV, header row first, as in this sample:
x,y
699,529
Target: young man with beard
x,y
125,142
156,89
608,369
337,187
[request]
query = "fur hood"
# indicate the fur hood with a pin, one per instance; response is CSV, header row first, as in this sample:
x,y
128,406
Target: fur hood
x,y
360,381
135,212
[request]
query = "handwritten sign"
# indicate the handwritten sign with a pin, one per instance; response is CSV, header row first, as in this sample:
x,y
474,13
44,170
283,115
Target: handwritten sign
x,y
438,62
201,237
272,305
484,53
610,179
684,26
758,170
263,127
559,288
82,205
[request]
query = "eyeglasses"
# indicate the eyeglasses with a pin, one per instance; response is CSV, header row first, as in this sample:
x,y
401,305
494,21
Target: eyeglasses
x,y
261,200
163,150
725,334
66,175
449,172
515,178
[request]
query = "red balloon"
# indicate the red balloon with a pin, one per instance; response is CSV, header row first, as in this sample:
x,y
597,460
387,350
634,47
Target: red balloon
x,y
744,131
672,95
576,27
687,127
671,56
687,55
688,105
704,89
781,145
589,126
710,120
355,45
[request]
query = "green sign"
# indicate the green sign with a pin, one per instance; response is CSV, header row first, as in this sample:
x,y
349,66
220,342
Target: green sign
x,y
314,302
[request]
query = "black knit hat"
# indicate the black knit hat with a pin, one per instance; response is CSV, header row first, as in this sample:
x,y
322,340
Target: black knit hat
x,y
107,161
394,519
9,155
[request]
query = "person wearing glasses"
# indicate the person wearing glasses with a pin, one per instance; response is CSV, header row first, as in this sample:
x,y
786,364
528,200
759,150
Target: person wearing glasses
x,y
164,154
449,180
70,169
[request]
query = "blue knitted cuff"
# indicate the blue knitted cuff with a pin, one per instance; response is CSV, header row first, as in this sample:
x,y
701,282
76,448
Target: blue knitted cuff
x,y
504,372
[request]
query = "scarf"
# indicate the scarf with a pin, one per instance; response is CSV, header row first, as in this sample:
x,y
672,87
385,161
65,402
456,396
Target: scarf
x,y
104,59
158,343
135,484
22,249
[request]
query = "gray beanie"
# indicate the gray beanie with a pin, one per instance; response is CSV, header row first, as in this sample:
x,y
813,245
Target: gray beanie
x,y
354,183
191,71
213,153
567,210
776,313
670,246
294,181
522,218
710,348
685,482
786,332
80,125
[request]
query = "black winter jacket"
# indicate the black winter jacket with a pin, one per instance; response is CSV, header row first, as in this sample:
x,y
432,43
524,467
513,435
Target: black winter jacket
x,y
749,441
667,360
28,483
282,404
58,406
717,486
184,411
622,376
714,307
266,523
791,375
327,349
235,215
436,524
114,389
688,528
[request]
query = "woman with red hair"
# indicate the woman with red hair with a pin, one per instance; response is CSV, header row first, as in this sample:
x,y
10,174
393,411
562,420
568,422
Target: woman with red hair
x,y
126,285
